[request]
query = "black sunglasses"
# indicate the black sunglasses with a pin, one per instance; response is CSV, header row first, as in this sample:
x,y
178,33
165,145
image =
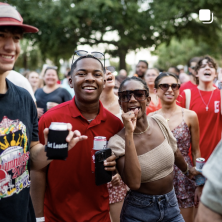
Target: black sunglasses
x,y
139,95
165,86
111,68
82,53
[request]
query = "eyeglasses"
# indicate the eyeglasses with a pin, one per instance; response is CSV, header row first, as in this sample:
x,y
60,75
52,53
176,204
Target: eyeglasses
x,y
111,68
139,95
82,53
193,67
166,86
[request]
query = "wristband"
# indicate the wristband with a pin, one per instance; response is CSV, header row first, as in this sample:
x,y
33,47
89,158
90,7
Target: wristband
x,y
186,170
40,219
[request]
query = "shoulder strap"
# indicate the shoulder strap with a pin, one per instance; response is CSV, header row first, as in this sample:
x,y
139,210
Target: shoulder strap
x,y
188,98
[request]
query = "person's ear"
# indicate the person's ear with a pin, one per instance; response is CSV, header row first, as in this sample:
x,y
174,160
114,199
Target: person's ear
x,y
70,82
148,100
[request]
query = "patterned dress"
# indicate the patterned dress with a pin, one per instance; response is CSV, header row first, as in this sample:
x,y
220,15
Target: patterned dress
x,y
184,187
118,193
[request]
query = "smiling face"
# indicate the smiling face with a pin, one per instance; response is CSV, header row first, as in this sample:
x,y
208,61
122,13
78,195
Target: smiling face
x,y
34,79
169,96
50,77
206,72
110,79
150,77
87,80
9,49
133,103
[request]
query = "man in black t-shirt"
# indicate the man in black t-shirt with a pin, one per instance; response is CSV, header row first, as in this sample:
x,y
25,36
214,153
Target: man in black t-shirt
x,y
19,141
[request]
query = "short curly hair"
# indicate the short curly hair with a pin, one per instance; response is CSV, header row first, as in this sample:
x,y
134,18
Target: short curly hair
x,y
134,78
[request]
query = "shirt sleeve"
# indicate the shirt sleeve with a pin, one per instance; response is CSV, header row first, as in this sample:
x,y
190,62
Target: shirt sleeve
x,y
212,192
181,100
117,145
34,123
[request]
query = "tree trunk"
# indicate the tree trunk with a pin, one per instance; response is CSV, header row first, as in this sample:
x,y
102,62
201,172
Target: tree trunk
x,y
25,65
122,59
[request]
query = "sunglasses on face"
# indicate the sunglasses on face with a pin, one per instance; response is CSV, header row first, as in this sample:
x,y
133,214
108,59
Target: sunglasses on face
x,y
82,53
138,94
110,68
166,86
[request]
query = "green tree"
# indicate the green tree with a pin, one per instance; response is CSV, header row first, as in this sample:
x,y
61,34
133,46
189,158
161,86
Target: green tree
x,y
64,24
179,52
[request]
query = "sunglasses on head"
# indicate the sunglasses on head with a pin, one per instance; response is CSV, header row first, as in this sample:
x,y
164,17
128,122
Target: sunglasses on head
x,y
165,86
139,95
110,68
82,53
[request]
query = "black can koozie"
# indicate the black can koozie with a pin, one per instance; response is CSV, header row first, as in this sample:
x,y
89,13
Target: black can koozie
x,y
57,147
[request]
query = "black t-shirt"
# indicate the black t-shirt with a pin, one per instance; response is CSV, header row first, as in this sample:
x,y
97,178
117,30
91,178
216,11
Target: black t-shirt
x,y
18,127
59,95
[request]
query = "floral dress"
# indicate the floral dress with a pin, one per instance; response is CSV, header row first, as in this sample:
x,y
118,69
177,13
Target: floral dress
x,y
184,187
116,193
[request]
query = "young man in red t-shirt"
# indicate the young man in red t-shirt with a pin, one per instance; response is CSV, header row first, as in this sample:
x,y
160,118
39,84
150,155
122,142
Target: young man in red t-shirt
x,y
70,193
205,100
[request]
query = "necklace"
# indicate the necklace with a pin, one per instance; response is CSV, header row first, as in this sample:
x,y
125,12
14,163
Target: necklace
x,y
144,130
204,101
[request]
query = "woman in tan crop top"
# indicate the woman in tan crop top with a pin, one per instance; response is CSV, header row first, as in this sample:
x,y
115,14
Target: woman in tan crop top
x,y
146,152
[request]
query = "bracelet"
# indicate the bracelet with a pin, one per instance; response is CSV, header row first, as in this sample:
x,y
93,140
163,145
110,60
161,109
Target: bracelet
x,y
40,219
186,170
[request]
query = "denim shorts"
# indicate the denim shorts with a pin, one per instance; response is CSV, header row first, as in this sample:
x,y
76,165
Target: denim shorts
x,y
150,208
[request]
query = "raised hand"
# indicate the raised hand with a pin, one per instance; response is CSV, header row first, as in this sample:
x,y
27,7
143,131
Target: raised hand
x,y
129,120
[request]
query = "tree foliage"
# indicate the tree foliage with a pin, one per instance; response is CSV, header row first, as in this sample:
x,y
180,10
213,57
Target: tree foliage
x,y
64,24
180,52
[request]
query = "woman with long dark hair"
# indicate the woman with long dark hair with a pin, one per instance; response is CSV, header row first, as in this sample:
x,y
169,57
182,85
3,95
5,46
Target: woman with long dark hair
x,y
185,127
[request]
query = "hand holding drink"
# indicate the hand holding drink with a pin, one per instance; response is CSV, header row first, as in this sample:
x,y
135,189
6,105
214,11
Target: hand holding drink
x,y
59,139
200,179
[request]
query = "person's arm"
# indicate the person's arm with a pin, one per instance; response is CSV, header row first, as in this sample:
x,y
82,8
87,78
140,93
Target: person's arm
x,y
37,189
204,214
183,166
195,136
128,165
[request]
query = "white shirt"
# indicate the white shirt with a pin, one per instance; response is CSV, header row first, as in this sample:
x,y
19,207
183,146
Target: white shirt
x,y
19,80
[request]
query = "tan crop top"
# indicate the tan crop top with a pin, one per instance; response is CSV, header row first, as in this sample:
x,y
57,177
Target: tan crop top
x,y
156,163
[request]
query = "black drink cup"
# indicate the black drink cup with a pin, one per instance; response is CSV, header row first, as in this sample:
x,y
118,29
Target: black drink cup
x,y
57,147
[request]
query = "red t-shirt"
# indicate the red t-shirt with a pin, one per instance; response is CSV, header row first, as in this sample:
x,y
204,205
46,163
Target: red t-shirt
x,y
210,122
71,193
187,85
152,107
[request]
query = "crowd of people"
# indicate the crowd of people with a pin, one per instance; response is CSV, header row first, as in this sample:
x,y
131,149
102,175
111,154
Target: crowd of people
x,y
156,123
